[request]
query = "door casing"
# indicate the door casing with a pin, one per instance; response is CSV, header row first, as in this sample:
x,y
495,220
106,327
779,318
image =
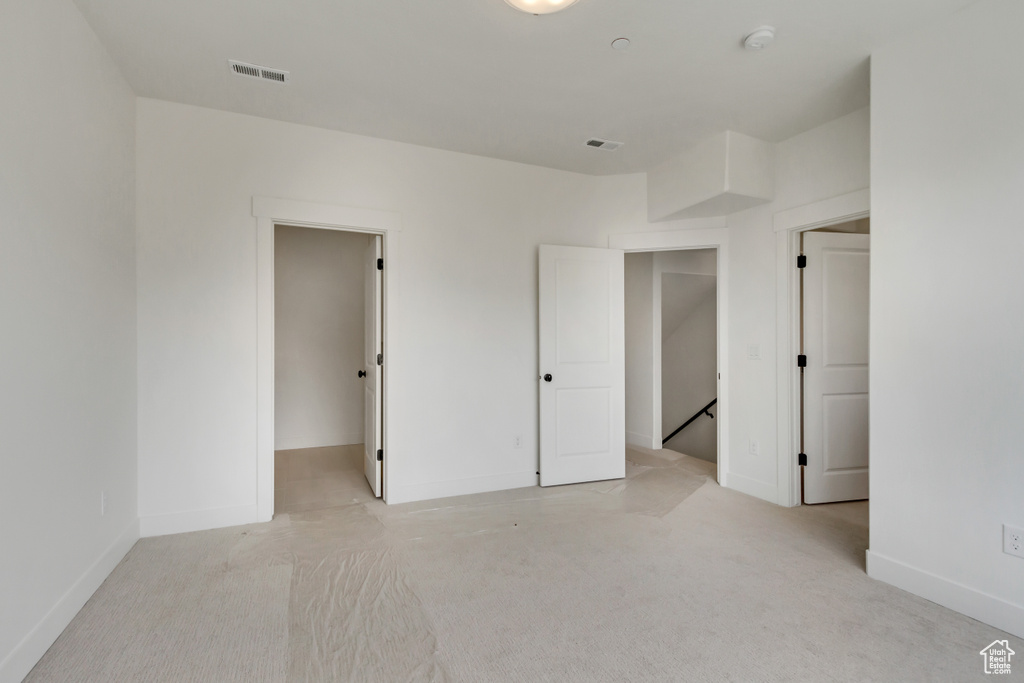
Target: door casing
x,y
271,211
788,225
707,234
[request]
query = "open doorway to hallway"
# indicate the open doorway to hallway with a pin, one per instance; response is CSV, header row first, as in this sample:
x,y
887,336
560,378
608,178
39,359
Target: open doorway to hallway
x,y
672,378
324,358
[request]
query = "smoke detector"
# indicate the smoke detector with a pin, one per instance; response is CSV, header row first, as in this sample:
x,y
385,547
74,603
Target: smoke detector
x,y
255,71
606,145
759,38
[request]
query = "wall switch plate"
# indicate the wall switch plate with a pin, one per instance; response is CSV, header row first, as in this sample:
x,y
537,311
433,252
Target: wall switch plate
x,y
517,441
1013,540
755,447
753,352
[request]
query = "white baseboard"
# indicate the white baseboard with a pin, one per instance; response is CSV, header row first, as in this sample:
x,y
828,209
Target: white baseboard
x,y
641,440
197,520
33,646
291,443
459,487
956,596
751,487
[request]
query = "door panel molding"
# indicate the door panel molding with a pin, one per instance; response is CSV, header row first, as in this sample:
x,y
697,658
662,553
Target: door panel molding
x,y
835,320
581,378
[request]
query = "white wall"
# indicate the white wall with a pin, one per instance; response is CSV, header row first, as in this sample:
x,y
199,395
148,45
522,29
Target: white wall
x,y
464,356
463,363
947,323
822,163
67,306
318,338
640,365
689,368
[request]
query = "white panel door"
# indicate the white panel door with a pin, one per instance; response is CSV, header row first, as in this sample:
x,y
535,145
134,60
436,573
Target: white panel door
x,y
836,281
373,330
582,365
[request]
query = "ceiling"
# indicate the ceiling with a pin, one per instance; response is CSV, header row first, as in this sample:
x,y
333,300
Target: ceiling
x,y
479,77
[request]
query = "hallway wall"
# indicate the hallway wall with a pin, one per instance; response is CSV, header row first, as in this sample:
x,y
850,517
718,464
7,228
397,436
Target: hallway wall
x,y
689,371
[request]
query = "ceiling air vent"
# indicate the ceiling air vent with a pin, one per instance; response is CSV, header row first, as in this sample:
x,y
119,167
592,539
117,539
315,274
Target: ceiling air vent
x,y
261,72
607,145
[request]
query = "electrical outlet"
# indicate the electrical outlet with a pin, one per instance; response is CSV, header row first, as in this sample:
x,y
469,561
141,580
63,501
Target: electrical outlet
x,y
755,447
1013,540
103,503
517,441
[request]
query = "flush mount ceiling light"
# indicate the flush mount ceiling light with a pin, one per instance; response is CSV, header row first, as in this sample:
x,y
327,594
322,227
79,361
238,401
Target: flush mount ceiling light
x,y
541,6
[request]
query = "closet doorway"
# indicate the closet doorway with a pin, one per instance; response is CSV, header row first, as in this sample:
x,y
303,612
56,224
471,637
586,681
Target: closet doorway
x,y
327,330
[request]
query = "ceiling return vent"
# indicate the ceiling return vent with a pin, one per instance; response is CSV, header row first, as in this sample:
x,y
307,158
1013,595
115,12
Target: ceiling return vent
x,y
261,72
607,145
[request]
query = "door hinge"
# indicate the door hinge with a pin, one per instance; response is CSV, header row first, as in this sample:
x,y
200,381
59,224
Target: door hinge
x,y
380,359
801,361
801,261
380,455
380,264
801,459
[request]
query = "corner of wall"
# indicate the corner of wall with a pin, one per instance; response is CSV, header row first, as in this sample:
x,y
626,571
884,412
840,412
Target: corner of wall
x,y
956,596
34,645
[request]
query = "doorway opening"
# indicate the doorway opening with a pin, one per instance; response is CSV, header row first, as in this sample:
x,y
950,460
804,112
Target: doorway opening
x,y
386,227
833,362
327,321
672,364
582,361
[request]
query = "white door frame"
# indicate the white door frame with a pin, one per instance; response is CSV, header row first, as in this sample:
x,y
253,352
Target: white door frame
x,y
788,225
270,211
714,236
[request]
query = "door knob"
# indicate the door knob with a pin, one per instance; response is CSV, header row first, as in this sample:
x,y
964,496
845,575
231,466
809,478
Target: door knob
x,y
362,373
547,377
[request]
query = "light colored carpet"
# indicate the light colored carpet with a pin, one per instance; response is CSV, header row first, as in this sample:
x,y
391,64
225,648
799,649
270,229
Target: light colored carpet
x,y
663,576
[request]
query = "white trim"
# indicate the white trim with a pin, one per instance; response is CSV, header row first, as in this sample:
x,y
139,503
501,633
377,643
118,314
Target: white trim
x,y
708,235
197,520
788,226
764,490
326,215
657,360
33,646
270,211
845,207
408,493
641,440
956,596
700,238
